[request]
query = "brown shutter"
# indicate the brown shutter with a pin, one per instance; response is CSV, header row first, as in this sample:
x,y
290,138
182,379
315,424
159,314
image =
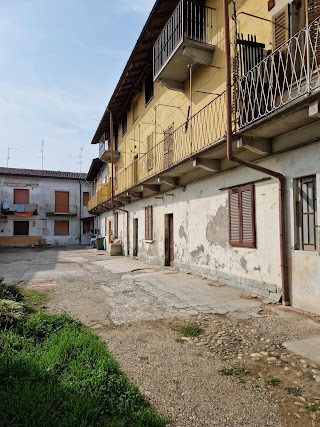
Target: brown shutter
x,y
313,10
62,202
21,196
149,152
314,13
234,225
85,198
247,216
242,217
148,223
281,27
61,228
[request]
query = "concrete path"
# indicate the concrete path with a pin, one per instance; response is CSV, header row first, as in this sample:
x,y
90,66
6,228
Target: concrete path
x,y
101,290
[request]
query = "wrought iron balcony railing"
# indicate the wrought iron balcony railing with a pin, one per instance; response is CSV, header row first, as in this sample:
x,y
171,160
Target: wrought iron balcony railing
x,y
288,73
189,20
19,209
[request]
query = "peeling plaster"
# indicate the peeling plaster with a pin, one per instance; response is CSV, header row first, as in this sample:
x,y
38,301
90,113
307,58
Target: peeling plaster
x,y
243,263
182,232
217,228
198,251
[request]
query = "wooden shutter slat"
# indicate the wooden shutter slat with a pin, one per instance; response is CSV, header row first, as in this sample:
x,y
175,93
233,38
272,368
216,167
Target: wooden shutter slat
x,y
281,30
234,217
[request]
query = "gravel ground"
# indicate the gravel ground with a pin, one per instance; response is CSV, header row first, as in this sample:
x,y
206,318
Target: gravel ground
x,y
235,374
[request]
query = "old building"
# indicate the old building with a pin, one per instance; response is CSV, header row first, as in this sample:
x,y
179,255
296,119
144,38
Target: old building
x,y
211,145
40,207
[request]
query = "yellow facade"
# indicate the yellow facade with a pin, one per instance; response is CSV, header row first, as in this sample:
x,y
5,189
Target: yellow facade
x,y
144,147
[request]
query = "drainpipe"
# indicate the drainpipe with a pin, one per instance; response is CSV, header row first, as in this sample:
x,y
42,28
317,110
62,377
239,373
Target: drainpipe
x,y
112,160
80,210
231,157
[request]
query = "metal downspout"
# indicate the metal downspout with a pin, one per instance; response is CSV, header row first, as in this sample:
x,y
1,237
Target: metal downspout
x,y
80,210
231,157
112,158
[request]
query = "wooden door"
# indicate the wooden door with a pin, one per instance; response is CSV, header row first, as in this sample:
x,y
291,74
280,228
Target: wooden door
x,y
135,237
21,196
169,240
61,201
135,175
168,148
110,232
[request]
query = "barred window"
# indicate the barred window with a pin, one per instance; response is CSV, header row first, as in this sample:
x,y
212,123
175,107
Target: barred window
x,y
306,207
242,230
148,223
116,225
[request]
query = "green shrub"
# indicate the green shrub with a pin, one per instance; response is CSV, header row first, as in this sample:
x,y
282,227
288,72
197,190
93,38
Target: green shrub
x,y
10,312
10,292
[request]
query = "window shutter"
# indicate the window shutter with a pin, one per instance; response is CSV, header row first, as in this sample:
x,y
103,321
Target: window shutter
x,y
247,216
314,13
242,217
313,10
148,223
281,27
149,152
234,230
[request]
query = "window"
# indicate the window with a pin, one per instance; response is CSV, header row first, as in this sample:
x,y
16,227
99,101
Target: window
x,y
115,225
61,228
149,152
20,196
281,27
306,213
61,201
86,226
21,228
85,198
116,137
242,217
149,223
124,122
148,87
135,106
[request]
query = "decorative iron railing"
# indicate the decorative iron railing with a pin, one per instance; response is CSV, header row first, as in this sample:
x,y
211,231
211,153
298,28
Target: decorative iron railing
x,y
203,130
288,73
189,20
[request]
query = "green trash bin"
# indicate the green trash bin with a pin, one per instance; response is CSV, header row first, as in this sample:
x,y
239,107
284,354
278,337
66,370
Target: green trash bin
x,y
100,243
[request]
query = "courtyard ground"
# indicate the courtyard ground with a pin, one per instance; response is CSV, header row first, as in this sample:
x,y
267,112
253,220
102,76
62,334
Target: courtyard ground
x,y
203,353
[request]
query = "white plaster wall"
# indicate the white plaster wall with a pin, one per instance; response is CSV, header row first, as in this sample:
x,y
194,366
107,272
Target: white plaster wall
x,y
201,230
42,192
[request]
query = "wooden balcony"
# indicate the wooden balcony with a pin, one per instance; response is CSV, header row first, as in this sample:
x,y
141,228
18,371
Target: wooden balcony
x,y
187,38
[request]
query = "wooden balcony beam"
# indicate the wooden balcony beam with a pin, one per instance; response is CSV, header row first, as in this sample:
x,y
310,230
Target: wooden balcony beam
x,y
135,195
123,199
168,180
256,145
210,165
150,187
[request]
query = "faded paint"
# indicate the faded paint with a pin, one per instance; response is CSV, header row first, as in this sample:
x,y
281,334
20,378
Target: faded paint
x,y
217,232
42,192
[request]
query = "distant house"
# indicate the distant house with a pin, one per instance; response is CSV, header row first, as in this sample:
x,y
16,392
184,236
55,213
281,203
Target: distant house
x,y
40,207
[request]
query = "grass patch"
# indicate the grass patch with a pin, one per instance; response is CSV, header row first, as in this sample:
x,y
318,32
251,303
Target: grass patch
x,y
34,299
272,381
236,371
313,408
295,391
192,330
56,373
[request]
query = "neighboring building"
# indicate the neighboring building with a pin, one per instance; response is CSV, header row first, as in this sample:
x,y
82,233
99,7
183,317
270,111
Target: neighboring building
x,y
168,189
40,207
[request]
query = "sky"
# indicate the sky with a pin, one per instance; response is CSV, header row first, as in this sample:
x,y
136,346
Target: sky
x,y
60,61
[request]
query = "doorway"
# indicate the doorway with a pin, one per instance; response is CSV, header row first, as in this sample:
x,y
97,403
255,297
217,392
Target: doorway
x,y
135,237
169,240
